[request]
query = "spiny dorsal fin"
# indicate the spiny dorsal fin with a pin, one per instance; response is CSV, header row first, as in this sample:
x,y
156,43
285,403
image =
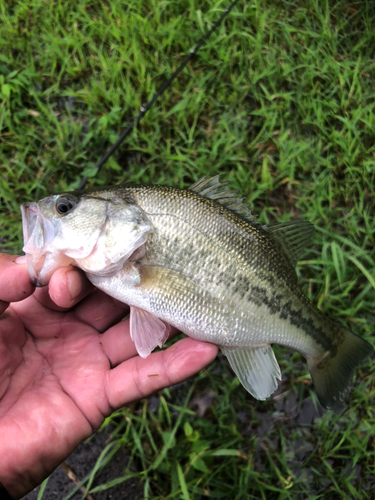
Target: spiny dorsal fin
x,y
213,189
293,235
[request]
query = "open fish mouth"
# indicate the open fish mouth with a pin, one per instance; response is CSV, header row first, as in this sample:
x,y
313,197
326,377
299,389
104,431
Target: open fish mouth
x,y
37,231
30,218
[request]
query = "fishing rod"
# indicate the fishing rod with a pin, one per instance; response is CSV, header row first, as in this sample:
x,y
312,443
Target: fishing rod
x,y
146,107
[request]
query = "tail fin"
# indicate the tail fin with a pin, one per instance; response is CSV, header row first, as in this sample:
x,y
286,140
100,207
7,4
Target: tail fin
x,y
332,374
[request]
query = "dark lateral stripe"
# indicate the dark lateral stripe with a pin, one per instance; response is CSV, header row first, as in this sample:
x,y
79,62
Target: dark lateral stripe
x,y
286,312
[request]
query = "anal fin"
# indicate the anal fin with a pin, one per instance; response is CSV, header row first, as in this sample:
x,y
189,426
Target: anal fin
x,y
256,368
147,331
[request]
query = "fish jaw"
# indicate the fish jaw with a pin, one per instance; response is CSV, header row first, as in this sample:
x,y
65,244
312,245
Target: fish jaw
x,y
38,233
32,230
41,267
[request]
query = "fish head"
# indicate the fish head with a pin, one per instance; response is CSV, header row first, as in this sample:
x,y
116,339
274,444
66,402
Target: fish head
x,y
96,231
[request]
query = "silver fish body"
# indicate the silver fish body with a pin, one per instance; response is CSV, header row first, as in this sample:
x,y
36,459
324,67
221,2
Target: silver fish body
x,y
197,260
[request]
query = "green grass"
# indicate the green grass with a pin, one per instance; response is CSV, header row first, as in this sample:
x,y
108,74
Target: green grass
x,y
281,102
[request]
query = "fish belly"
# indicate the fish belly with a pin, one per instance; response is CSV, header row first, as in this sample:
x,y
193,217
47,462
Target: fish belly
x,y
205,310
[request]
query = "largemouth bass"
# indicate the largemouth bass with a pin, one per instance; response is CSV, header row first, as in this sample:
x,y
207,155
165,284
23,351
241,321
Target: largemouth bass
x,y
198,260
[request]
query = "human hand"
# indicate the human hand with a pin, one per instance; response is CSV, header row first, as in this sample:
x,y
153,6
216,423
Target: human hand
x,y
66,364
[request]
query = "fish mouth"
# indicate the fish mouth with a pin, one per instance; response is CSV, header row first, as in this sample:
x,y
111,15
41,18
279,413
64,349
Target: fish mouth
x,y
29,220
35,268
34,236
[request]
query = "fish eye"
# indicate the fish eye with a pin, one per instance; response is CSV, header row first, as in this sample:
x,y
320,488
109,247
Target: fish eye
x,y
64,205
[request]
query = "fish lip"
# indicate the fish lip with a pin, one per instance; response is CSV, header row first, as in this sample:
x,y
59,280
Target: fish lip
x,y
30,213
35,270
37,283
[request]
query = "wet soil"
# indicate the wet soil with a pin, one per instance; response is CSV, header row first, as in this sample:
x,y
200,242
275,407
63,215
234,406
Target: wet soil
x,y
81,463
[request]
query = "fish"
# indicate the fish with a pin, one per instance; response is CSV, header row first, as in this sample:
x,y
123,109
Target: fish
x,y
197,259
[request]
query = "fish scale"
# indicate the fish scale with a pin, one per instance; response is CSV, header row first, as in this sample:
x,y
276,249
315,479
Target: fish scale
x,y
187,258
196,259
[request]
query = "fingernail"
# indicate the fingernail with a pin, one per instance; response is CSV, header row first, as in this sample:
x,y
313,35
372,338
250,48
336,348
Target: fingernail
x,y
74,284
21,259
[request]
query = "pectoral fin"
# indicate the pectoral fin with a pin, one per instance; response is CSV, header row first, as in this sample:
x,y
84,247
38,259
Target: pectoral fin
x,y
256,368
147,331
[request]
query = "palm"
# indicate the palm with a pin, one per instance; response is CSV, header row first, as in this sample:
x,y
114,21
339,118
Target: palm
x,y
65,371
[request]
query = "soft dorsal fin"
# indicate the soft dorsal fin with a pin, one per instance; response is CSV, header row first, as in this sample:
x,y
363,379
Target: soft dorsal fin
x,y
293,235
213,189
